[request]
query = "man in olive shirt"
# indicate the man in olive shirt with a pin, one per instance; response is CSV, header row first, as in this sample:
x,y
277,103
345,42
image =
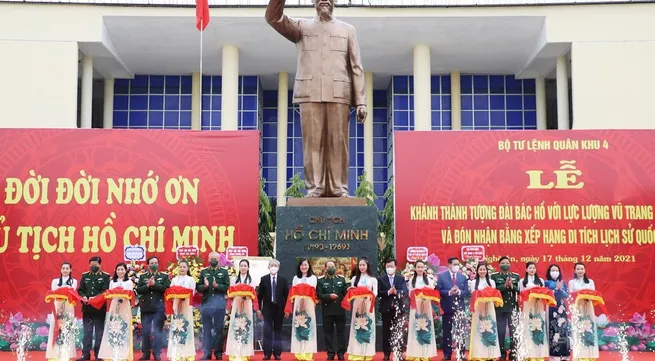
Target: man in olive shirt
x,y
508,284
331,289
92,283
213,284
151,288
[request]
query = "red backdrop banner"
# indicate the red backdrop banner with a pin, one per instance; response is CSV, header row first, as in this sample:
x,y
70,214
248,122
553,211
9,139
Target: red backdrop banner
x,y
552,197
69,195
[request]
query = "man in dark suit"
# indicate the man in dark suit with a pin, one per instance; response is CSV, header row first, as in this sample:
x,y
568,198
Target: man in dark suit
x,y
392,289
272,296
453,287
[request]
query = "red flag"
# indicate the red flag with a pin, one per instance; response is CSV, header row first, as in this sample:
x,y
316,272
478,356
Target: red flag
x,y
202,14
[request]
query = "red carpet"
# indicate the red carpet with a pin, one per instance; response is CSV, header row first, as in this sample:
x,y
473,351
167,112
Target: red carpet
x,y
604,356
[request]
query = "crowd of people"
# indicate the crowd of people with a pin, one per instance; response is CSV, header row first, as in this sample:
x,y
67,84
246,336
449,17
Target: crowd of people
x,y
407,327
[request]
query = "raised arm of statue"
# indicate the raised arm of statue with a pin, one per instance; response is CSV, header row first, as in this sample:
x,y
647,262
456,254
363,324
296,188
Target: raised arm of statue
x,y
287,27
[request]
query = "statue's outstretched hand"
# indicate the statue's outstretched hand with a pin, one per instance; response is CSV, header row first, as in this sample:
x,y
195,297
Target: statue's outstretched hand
x,y
361,113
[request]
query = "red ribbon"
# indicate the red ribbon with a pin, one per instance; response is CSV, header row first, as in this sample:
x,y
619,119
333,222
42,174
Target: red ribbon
x,y
486,295
538,293
243,290
175,292
67,294
594,296
424,293
119,292
358,292
300,290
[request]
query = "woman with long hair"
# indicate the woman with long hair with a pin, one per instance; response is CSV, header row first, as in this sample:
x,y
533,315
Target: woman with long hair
x,y
361,344
181,340
585,337
558,326
61,340
116,342
302,304
535,316
484,344
421,342
242,295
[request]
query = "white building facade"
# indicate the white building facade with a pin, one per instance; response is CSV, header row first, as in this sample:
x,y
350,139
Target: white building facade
x,y
430,65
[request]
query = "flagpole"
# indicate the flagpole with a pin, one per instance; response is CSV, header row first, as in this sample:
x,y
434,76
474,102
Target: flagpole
x,y
202,27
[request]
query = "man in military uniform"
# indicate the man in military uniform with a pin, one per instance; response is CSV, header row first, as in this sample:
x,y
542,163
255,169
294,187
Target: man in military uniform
x,y
92,283
213,284
330,290
151,288
508,284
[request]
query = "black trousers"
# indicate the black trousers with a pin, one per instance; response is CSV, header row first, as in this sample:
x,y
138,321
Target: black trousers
x,y
212,319
447,343
150,321
272,330
329,323
504,319
389,325
94,323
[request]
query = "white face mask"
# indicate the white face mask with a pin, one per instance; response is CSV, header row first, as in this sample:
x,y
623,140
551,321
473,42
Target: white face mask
x,y
554,275
391,270
273,270
455,269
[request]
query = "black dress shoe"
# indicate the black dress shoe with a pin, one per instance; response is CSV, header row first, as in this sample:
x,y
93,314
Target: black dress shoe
x,y
157,358
219,356
267,357
330,357
84,358
386,357
278,357
341,357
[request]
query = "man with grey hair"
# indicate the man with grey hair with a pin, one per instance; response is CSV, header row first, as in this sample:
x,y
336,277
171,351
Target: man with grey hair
x,y
272,296
213,283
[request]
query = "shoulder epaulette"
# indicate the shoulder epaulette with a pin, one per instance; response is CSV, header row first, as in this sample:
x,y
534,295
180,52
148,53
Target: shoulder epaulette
x,y
107,273
322,277
86,272
514,273
494,273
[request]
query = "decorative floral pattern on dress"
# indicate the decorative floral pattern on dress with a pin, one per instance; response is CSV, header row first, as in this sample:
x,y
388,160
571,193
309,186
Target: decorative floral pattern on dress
x,y
242,325
179,328
363,327
488,330
536,327
423,329
302,325
587,334
118,330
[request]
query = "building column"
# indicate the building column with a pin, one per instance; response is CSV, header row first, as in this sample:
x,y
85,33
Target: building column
x,y
230,95
368,128
282,122
422,88
562,92
196,96
87,91
540,92
108,114
455,101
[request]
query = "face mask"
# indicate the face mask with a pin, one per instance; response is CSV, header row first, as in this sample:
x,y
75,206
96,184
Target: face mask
x,y
504,267
391,270
273,270
331,271
213,263
154,267
95,269
554,275
455,269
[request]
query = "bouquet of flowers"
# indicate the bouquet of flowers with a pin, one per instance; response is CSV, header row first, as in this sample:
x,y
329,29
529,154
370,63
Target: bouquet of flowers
x,y
134,270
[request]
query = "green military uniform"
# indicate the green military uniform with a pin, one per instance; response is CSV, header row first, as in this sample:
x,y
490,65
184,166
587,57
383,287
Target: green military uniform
x,y
504,313
91,285
151,305
214,302
333,314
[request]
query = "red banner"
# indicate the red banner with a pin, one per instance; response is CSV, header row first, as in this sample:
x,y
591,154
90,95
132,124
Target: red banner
x,y
551,197
68,195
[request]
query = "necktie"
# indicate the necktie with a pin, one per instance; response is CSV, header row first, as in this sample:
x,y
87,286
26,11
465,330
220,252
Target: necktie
x,y
273,290
454,280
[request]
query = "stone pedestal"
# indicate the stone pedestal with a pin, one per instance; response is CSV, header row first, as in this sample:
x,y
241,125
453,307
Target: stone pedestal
x,y
340,229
